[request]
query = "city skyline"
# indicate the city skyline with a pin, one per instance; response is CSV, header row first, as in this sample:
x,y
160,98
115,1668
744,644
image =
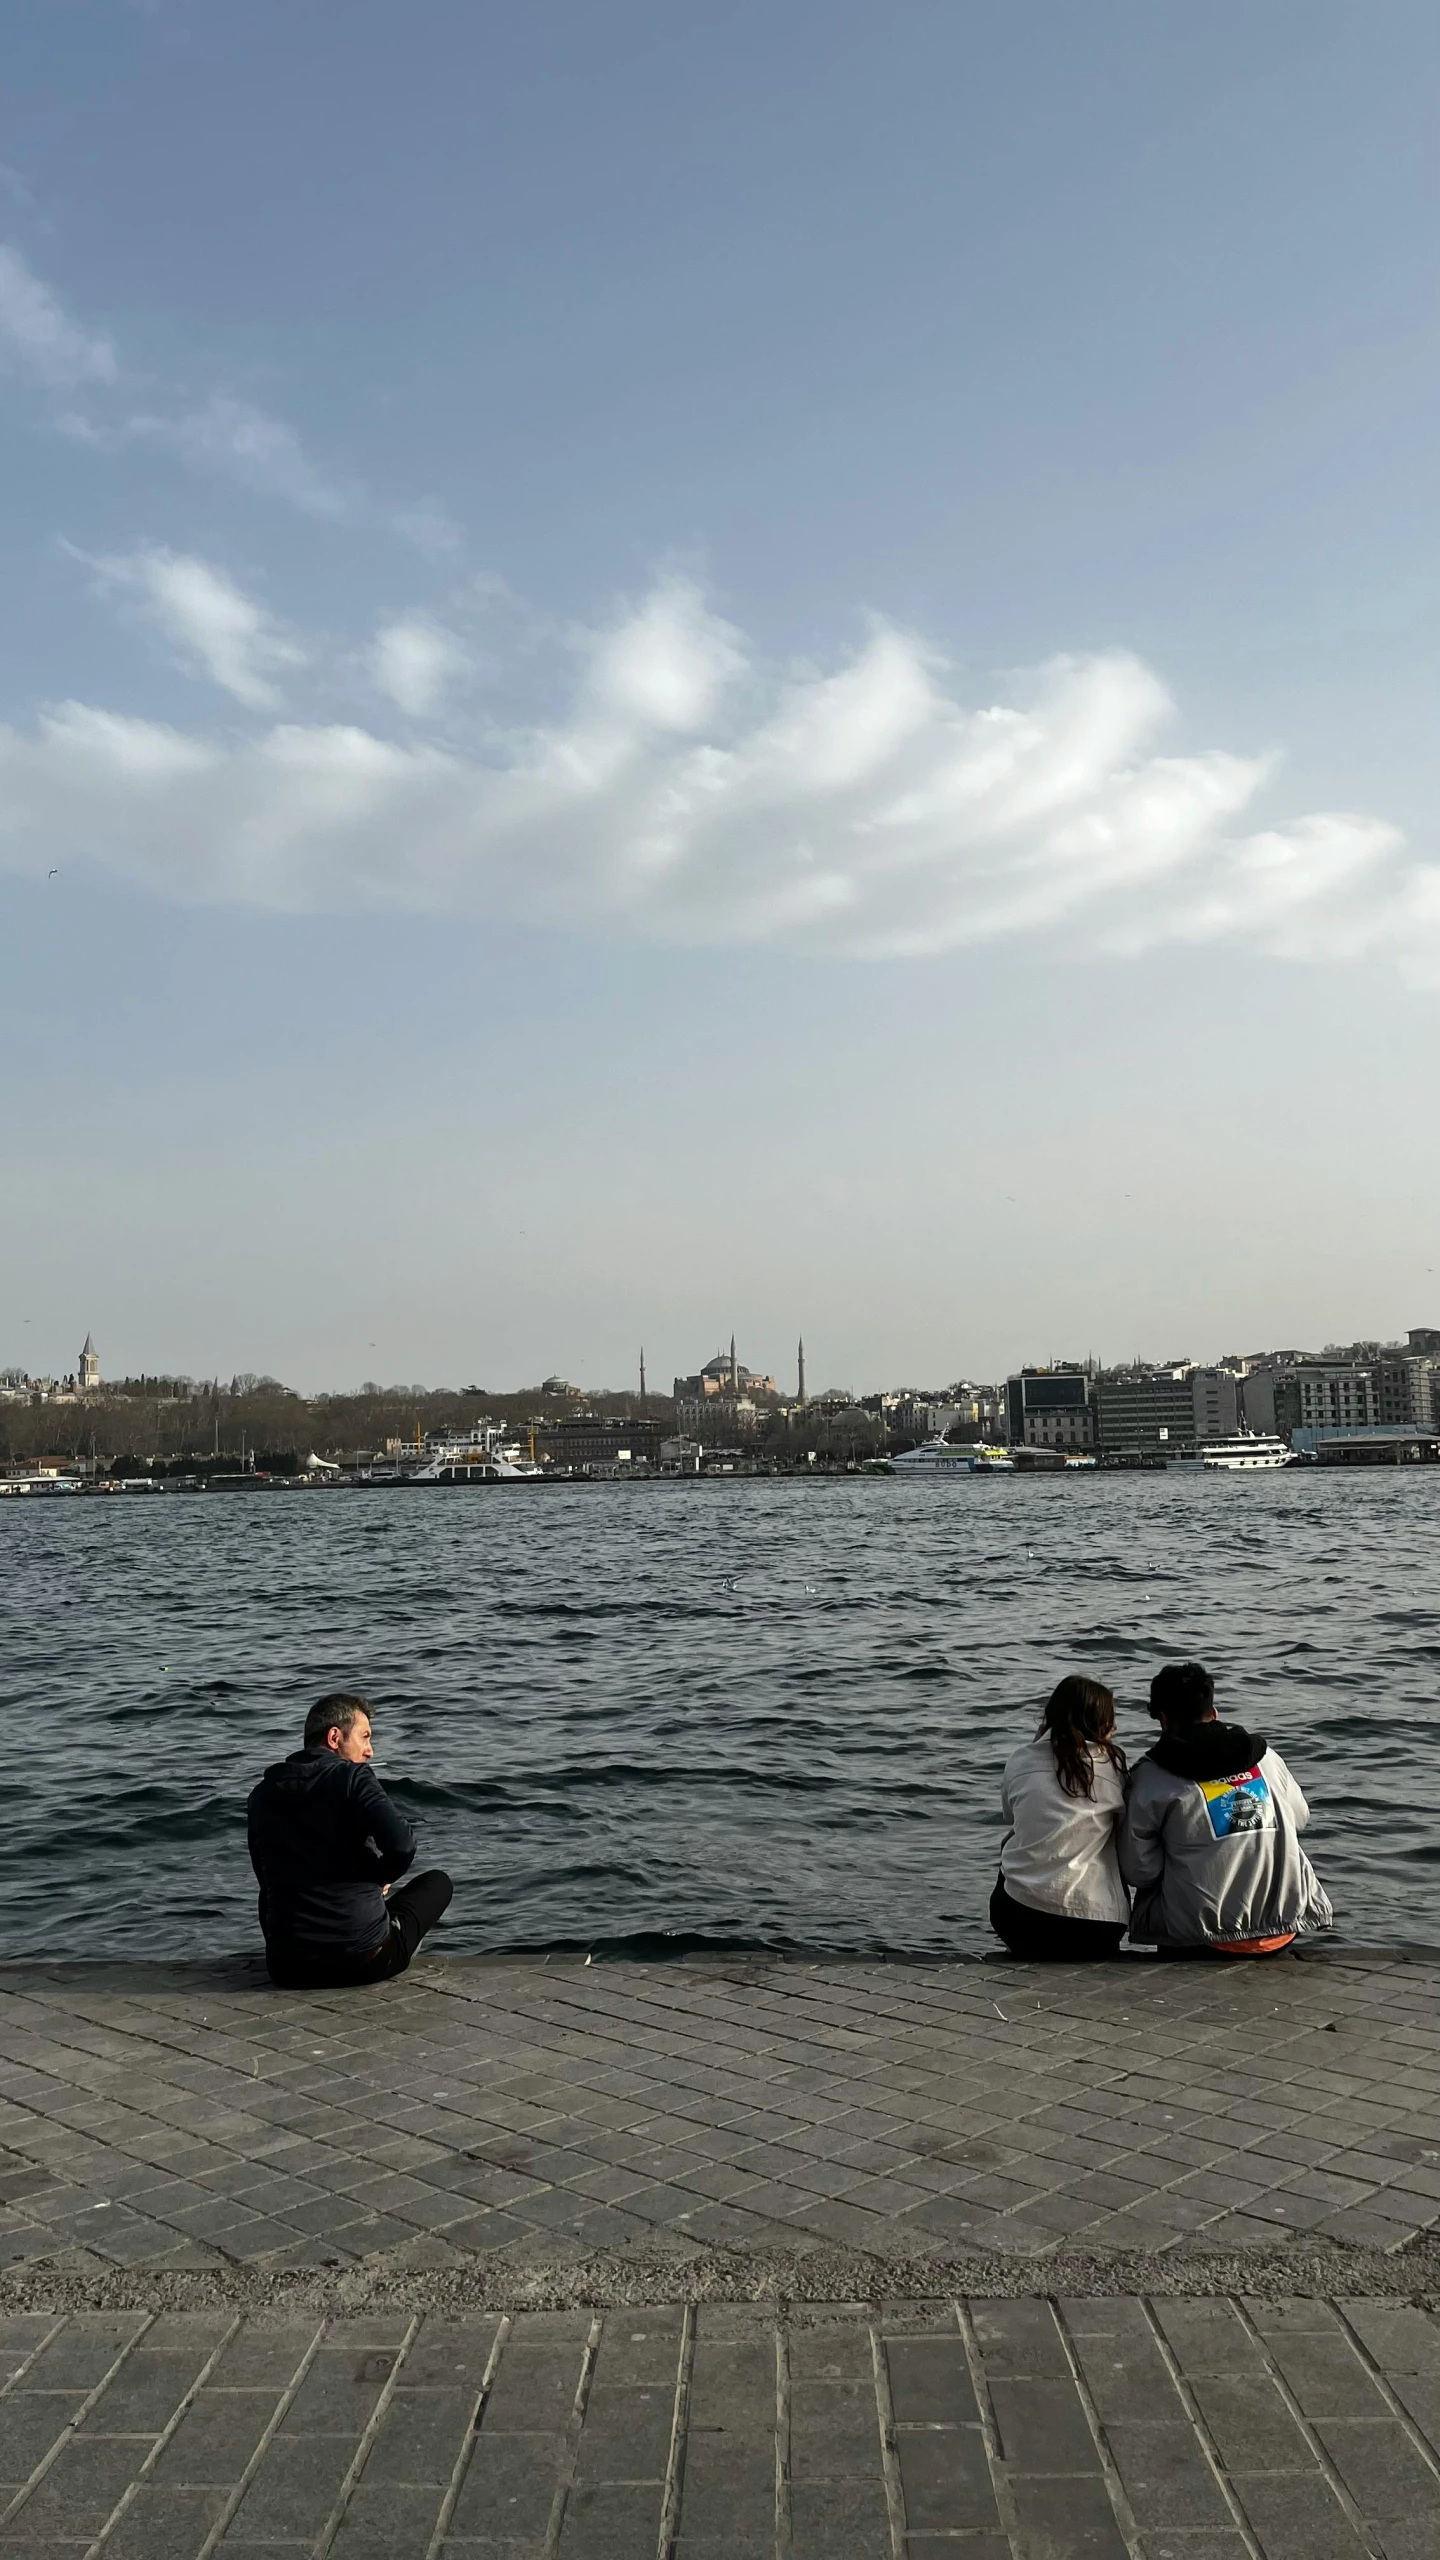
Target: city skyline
x,y
776,665
725,1376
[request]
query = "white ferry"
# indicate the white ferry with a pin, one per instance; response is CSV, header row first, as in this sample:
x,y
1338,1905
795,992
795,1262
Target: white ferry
x,y
1248,1449
476,1460
939,1457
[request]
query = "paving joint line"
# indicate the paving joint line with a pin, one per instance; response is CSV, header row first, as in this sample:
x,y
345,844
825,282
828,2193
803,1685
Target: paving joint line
x,y
784,2503
281,2411
366,2445
670,2504
571,2456
1125,2518
466,2454
68,2431
1000,2485
1372,2541
889,2443
186,2402
1428,2453
1200,2427
22,2369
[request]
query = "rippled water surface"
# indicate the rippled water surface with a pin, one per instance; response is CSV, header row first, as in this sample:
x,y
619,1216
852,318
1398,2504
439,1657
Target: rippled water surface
x,y
760,1711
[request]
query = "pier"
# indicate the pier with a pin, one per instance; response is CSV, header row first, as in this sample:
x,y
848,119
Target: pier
x,y
820,2260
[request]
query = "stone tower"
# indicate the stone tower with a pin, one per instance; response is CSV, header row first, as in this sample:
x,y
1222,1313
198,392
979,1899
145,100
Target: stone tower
x,y
88,1372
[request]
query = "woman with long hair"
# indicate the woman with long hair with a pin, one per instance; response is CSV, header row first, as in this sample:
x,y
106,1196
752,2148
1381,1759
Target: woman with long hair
x,y
1059,1894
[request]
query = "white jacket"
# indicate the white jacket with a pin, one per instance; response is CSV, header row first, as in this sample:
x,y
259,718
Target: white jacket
x,y
1058,1853
1210,1842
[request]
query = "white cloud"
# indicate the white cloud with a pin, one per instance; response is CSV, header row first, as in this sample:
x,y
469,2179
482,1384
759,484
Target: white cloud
x,y
415,661
427,525
230,438
689,795
209,618
38,338
220,434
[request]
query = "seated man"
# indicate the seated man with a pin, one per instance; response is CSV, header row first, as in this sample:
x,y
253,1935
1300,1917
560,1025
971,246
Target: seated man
x,y
326,1843
1209,1837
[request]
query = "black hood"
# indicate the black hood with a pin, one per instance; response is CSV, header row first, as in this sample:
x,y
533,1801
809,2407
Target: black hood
x,y
303,1769
1211,1750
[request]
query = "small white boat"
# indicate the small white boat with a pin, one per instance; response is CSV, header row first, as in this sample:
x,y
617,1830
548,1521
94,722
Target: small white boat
x,y
1247,1451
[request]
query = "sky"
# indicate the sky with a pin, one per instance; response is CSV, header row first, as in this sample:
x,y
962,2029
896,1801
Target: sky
x,y
767,668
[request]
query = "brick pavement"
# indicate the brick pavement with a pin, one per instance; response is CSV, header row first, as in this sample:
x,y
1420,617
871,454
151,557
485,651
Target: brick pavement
x,y
1119,2429
517,2116
268,2262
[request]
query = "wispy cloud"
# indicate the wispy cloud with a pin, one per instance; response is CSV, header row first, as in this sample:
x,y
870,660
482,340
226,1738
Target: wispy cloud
x,y
209,619
689,794
233,438
415,662
427,525
219,434
39,340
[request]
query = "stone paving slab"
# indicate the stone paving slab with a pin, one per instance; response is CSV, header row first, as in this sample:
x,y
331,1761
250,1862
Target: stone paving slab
x,y
508,2119
1046,2429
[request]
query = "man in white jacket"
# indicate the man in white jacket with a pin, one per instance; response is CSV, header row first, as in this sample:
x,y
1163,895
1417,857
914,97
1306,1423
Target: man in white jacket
x,y
1209,1841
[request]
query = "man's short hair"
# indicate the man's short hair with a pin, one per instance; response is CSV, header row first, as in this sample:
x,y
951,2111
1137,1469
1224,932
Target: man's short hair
x,y
329,1715
1182,1691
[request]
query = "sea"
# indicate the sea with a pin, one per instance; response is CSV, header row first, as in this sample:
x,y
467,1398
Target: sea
x,y
666,1715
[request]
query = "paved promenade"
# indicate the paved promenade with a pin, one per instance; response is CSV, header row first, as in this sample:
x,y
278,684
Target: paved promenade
x,y
568,2262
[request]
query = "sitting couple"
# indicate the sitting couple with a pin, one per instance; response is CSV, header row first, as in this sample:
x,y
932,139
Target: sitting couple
x,y
1203,1833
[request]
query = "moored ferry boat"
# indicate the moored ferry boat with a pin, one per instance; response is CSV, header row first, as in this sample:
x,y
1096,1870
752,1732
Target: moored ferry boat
x,y
1247,1451
937,1457
477,1460
940,1457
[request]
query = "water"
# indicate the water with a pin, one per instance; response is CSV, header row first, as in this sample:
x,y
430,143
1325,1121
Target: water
x,y
769,1712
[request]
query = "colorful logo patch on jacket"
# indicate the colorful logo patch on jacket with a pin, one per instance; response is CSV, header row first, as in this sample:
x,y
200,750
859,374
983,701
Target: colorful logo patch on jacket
x,y
1241,1803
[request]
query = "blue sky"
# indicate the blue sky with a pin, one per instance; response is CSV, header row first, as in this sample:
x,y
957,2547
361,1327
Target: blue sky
x,y
670,669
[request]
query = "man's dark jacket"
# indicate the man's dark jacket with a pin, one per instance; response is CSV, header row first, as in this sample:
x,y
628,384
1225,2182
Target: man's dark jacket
x,y
324,1837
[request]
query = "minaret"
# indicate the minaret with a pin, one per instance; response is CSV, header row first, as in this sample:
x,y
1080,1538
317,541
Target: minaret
x,y
734,1372
642,1377
800,1365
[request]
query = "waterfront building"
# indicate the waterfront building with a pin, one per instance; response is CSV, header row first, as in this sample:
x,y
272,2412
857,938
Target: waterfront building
x,y
1382,1444
1146,1413
911,1414
1406,1390
1050,1409
1216,1395
1257,1392
597,1444
1317,1395
681,1457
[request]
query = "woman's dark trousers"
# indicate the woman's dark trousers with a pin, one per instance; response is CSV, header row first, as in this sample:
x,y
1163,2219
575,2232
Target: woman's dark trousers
x,y
1047,1937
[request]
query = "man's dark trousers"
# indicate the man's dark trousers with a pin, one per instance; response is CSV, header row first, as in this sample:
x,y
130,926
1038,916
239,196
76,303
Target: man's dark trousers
x,y
412,1909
